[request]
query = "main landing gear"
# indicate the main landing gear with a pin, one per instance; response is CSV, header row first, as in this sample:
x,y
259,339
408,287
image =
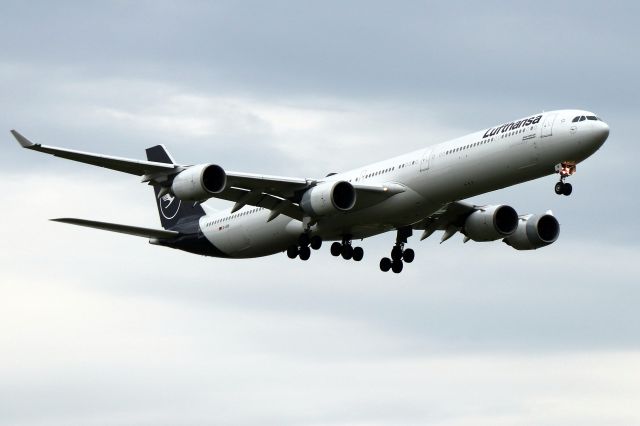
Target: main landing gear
x,y
346,250
305,244
564,170
398,253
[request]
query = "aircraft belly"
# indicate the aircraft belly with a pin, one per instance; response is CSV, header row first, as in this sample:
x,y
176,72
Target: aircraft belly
x,y
254,236
400,210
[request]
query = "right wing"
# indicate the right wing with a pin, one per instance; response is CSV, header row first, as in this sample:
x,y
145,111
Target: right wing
x,y
275,193
279,194
134,167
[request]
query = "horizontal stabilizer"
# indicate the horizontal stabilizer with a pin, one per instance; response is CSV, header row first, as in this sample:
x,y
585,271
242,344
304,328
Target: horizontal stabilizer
x,y
123,229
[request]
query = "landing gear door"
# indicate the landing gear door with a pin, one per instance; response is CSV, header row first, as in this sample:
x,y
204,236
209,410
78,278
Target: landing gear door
x,y
547,125
425,162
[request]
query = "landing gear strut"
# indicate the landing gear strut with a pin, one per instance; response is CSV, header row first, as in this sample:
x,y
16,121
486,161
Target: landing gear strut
x,y
346,250
398,253
564,170
302,249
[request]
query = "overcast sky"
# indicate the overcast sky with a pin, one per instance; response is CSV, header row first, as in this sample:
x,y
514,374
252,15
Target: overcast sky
x,y
104,329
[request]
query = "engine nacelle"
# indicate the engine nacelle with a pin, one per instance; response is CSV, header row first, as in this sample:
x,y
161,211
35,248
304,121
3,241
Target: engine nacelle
x,y
491,223
199,183
534,232
329,197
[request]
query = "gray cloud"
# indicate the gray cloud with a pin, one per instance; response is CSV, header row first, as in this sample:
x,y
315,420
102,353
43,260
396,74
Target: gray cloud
x,y
104,329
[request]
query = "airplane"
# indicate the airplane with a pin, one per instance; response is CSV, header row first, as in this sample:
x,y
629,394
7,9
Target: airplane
x,y
419,191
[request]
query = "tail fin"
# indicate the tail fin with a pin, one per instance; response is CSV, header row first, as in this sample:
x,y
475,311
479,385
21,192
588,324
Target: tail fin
x,y
173,211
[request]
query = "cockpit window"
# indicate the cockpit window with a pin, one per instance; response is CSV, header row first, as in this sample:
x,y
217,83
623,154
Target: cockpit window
x,y
575,119
582,118
592,117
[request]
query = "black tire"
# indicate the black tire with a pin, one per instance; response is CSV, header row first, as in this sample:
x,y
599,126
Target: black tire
x,y
408,255
385,264
316,242
303,240
397,266
347,252
559,188
358,254
292,252
396,253
336,249
567,189
305,253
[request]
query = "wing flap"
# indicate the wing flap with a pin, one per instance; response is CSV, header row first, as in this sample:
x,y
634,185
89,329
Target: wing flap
x,y
267,201
450,219
123,229
285,187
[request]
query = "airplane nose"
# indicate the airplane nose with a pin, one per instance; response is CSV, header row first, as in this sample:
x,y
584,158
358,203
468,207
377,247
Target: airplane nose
x,y
598,134
602,131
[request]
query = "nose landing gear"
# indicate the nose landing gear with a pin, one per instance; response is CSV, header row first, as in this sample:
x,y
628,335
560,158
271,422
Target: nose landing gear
x,y
398,253
565,170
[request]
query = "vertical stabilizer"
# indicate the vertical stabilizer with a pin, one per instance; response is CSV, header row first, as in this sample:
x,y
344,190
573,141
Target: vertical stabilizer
x,y
173,211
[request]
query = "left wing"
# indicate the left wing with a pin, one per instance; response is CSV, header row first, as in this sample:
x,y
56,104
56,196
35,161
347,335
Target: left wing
x,y
449,219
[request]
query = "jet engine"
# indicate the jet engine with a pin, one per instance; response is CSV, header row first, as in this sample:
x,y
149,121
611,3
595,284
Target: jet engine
x,y
534,231
491,223
199,183
328,198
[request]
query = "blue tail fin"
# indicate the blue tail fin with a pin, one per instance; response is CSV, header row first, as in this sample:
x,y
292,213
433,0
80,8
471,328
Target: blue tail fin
x,y
173,211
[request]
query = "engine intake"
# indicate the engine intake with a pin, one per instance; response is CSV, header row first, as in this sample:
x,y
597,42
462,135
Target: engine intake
x,y
491,223
199,183
534,232
328,198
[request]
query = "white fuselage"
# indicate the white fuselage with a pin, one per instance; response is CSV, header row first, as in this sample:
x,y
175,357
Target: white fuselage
x,y
480,162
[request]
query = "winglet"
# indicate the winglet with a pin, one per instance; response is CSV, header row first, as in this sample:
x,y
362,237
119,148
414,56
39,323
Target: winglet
x,y
26,143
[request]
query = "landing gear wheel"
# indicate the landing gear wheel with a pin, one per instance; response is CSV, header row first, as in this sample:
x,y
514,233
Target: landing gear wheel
x,y
347,252
385,264
559,188
397,266
292,252
358,254
396,253
316,242
408,255
305,253
303,240
567,189
336,249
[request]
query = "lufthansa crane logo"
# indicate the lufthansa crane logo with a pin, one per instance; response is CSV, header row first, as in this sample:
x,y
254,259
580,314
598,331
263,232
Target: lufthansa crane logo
x,y
169,206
